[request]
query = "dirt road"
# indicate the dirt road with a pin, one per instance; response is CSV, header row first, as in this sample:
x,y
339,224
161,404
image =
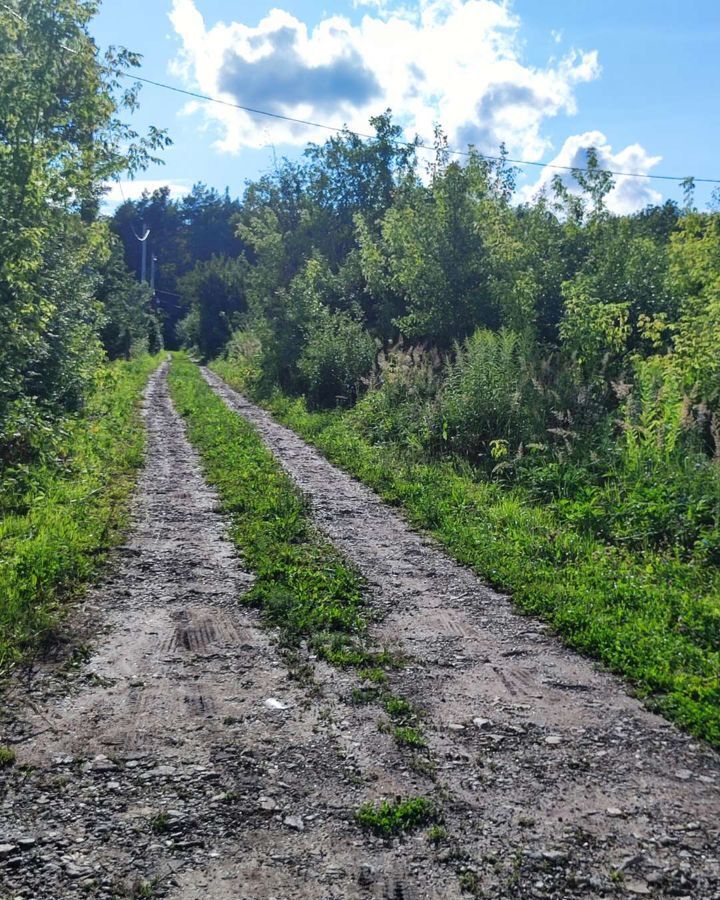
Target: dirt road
x,y
150,762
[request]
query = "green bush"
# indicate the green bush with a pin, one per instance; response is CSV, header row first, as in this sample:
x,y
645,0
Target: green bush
x,y
401,405
490,395
337,357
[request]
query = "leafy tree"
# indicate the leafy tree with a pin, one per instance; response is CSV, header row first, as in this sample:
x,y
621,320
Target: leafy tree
x,y
60,141
214,292
130,325
695,274
431,261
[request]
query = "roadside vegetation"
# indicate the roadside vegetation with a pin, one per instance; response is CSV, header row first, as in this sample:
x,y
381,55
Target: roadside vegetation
x,y
59,515
70,438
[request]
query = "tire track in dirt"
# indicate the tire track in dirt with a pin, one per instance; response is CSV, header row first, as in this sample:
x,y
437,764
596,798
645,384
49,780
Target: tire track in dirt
x,y
559,783
155,756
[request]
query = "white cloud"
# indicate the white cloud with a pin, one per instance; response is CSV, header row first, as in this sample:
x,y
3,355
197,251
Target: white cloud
x,y
629,193
458,62
118,192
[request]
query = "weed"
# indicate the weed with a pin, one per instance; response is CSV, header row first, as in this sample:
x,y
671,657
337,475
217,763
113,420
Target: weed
x,y
7,757
144,889
407,736
436,835
375,676
423,764
79,656
399,709
360,696
470,882
391,817
160,824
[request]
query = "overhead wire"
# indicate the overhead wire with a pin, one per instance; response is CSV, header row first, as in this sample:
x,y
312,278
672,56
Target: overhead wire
x,y
124,73
410,144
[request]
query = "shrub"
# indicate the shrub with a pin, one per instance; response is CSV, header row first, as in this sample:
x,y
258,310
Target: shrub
x,y
338,355
401,405
490,394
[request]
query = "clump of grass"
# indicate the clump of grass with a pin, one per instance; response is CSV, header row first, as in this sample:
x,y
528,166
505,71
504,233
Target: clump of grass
x,y
470,882
436,835
53,534
144,889
404,718
160,823
374,676
390,817
7,757
407,736
399,709
361,696
423,764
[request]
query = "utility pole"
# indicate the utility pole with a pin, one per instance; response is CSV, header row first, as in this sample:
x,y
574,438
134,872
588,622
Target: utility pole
x,y
143,264
153,260
143,257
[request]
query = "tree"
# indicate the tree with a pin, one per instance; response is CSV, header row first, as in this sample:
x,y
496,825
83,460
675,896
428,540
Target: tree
x,y
214,293
60,141
430,261
129,323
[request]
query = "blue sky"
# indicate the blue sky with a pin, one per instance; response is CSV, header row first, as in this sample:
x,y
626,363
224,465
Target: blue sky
x,y
639,79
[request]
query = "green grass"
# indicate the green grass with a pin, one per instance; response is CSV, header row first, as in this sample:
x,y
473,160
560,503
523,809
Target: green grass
x,y
7,757
391,817
409,736
55,532
302,584
650,616
399,709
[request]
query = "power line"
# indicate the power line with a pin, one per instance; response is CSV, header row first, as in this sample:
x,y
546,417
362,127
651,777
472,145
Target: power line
x,y
520,162
419,146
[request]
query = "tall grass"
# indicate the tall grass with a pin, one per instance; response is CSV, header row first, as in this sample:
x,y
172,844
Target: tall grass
x,y
56,529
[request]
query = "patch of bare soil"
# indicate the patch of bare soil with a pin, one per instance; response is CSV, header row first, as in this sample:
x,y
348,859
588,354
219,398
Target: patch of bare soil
x,y
149,763
558,782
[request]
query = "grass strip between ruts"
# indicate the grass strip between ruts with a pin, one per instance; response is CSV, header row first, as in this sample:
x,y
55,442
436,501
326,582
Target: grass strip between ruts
x,y
53,538
649,616
302,584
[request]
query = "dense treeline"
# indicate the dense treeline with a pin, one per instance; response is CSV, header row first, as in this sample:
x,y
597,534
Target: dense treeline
x,y
551,343
67,299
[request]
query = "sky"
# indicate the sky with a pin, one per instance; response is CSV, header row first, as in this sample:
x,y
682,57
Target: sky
x,y
637,79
